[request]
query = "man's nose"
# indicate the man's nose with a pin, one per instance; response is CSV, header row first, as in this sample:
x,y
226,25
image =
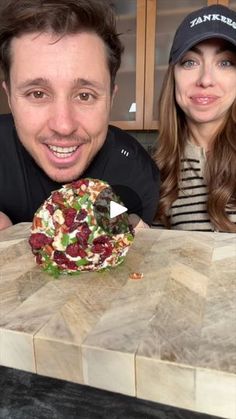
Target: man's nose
x,y
61,118
206,76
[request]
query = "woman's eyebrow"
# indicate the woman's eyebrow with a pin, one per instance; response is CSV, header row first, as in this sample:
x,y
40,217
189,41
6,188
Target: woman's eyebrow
x,y
222,48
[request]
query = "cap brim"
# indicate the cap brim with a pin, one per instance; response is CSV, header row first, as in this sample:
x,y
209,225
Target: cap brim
x,y
177,55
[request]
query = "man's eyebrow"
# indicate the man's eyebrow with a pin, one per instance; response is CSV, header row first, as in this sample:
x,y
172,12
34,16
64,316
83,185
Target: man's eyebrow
x,y
40,81
43,82
80,82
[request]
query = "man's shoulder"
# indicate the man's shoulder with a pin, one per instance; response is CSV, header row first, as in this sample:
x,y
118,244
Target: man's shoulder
x,y
125,145
6,123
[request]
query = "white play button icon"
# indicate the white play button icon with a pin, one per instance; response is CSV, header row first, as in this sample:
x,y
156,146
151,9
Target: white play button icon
x,y
110,213
116,209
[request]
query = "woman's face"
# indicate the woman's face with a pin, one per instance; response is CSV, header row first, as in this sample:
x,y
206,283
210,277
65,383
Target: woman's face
x,y
205,81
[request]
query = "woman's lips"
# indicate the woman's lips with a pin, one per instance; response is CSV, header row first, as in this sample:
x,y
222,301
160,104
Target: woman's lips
x,y
203,100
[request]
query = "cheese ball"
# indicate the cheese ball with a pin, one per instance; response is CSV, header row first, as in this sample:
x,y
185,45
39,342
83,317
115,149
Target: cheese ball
x,y
72,231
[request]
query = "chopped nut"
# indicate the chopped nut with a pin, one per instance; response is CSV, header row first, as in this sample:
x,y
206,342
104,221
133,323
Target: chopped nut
x,y
136,275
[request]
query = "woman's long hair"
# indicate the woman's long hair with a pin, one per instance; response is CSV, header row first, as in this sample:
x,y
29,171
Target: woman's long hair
x,y
220,171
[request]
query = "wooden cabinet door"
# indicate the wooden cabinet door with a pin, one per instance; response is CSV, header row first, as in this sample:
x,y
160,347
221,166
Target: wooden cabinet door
x,y
163,18
146,29
128,106
229,3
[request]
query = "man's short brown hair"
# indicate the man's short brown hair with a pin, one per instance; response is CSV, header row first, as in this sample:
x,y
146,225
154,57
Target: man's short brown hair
x,y
61,17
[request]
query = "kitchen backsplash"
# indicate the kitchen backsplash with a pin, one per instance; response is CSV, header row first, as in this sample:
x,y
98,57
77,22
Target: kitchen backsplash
x,y
148,139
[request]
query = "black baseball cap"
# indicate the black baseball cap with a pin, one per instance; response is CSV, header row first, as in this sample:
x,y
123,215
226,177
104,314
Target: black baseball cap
x,y
216,21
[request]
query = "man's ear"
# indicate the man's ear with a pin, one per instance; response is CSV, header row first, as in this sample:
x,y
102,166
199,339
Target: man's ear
x,y
4,85
114,94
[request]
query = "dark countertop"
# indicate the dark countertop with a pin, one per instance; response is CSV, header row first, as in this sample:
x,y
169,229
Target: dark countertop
x,y
29,396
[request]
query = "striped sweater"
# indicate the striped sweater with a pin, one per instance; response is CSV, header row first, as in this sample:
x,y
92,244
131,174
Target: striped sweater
x,y
189,211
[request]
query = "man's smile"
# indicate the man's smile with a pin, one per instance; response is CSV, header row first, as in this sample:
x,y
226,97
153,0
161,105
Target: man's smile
x,y
62,152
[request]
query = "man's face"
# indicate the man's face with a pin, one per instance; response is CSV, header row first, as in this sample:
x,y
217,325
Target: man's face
x,y
60,100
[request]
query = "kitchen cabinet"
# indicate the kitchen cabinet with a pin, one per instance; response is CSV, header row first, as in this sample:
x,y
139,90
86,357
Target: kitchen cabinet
x,y
146,28
128,106
145,58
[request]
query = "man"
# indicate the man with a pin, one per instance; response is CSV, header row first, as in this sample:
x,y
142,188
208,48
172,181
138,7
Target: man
x,y
59,60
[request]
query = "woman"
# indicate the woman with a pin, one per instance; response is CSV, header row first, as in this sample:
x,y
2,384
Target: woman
x,y
196,150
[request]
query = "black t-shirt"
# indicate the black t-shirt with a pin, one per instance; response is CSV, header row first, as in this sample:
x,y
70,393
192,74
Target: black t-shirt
x,y
121,161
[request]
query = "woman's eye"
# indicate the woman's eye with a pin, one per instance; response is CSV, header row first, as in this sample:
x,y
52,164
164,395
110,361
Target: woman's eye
x,y
226,63
188,63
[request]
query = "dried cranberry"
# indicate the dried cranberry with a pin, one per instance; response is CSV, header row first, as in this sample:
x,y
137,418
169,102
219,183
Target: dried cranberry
x,y
102,240
108,251
82,234
71,265
78,183
50,209
103,246
60,258
38,240
81,215
75,250
97,248
69,214
57,198
73,226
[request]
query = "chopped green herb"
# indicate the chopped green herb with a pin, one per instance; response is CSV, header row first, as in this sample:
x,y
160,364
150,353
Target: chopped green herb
x,y
81,262
65,240
83,199
77,206
52,270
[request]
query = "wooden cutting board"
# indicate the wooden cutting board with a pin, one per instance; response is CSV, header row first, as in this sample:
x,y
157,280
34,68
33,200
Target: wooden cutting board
x,y
169,337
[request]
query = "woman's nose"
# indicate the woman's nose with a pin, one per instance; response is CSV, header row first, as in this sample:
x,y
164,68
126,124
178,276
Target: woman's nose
x,y
61,119
206,76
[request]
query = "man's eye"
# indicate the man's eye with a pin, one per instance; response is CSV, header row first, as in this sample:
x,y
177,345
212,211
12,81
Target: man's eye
x,y
37,94
85,97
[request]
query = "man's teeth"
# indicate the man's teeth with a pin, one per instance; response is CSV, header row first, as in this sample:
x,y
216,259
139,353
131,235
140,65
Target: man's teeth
x,y
62,151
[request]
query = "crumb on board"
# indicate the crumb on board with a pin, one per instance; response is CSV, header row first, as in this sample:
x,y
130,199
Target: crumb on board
x,y
136,275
